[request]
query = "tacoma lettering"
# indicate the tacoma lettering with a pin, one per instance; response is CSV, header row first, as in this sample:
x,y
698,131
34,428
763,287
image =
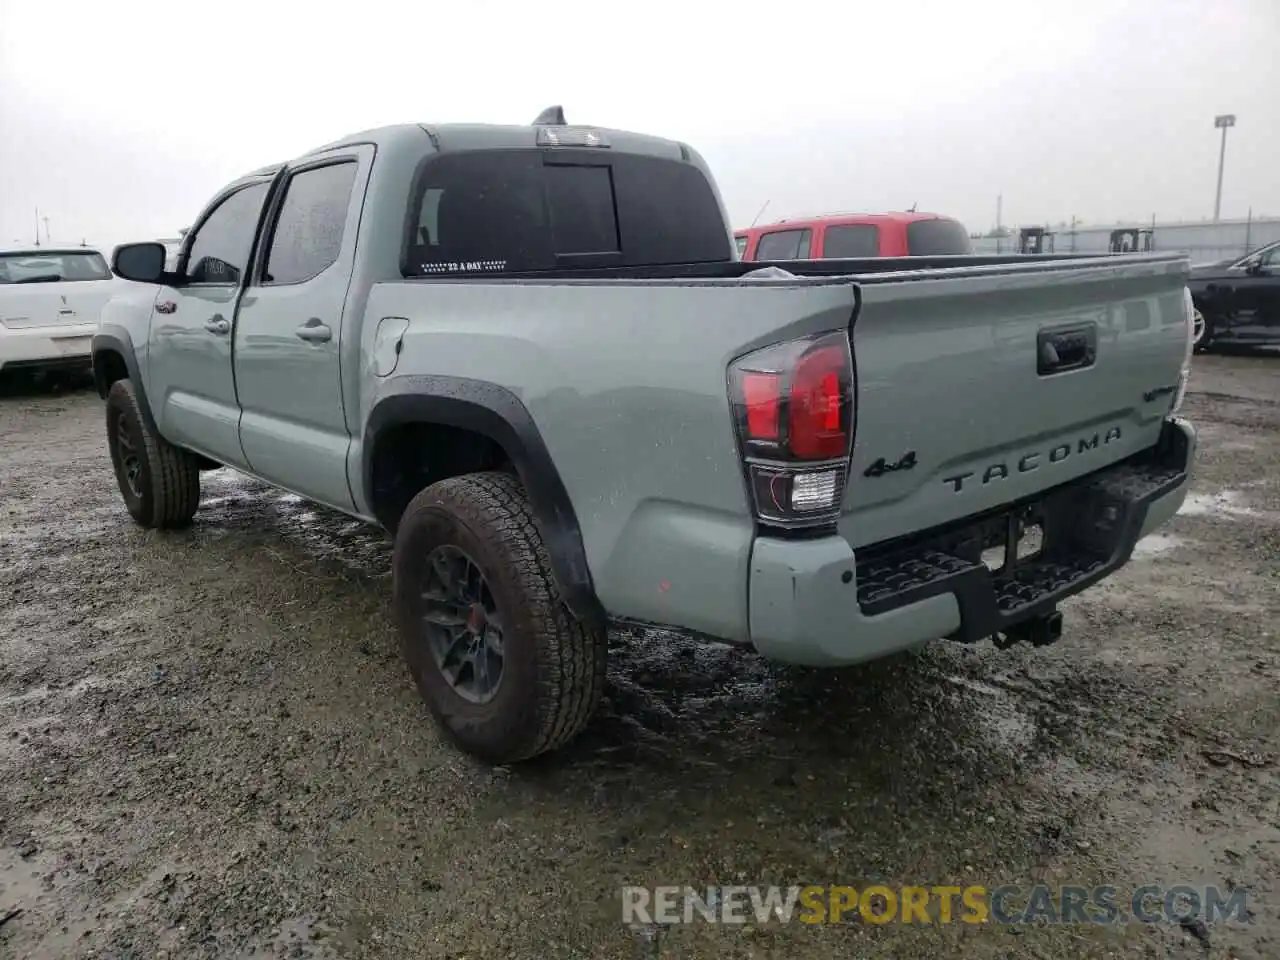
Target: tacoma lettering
x,y
1030,461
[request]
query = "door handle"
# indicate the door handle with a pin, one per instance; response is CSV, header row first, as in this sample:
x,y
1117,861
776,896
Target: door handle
x,y
218,324
314,331
1058,351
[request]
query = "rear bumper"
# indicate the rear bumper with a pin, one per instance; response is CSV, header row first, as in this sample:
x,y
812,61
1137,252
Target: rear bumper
x,y
44,347
820,603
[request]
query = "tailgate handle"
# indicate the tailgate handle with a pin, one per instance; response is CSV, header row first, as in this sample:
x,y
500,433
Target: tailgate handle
x,y
1064,349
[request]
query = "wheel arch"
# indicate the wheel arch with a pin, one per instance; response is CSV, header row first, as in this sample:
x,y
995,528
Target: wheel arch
x,y
458,410
114,359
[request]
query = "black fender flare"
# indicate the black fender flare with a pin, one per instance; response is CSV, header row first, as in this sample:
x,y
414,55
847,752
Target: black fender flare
x,y
116,339
497,413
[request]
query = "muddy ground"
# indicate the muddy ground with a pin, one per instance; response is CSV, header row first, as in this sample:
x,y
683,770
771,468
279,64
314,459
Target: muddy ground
x,y
209,746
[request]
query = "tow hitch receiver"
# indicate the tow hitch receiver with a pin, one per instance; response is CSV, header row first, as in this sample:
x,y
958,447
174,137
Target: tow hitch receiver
x,y
1039,631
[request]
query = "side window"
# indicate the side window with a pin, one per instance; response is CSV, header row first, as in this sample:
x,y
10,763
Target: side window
x,y
307,237
1270,259
220,251
741,244
783,245
851,242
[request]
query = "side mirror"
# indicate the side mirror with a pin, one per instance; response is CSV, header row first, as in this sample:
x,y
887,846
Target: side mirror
x,y
139,262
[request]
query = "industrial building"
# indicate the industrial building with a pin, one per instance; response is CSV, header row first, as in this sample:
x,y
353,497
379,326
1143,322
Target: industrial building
x,y
1205,241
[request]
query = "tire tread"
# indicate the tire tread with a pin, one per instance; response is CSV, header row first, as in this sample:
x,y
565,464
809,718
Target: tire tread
x,y
570,655
175,473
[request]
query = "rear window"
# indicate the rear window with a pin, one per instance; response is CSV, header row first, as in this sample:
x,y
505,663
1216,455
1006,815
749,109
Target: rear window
x,y
938,238
52,267
513,211
783,245
852,241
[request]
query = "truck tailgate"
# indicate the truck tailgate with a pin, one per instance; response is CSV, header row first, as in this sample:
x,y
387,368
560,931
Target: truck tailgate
x,y
982,386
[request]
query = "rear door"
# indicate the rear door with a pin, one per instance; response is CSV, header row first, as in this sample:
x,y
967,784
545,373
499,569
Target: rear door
x,y
190,382
850,241
290,326
1255,298
979,386
793,244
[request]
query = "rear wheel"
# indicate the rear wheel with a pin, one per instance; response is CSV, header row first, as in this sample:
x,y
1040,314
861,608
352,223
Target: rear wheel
x,y
159,482
500,661
1201,330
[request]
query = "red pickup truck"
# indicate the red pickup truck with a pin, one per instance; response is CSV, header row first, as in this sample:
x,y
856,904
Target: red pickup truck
x,y
854,236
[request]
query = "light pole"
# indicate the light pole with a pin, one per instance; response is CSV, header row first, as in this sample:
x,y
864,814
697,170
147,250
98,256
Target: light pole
x,y
1221,122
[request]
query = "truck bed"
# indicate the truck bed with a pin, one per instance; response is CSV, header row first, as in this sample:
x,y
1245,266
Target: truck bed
x,y
613,362
863,268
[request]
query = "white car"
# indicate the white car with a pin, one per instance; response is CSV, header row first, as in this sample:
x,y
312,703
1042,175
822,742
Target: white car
x,y
50,299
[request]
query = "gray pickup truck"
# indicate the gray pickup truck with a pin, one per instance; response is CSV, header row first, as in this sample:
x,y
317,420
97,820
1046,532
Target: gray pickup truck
x,y
532,355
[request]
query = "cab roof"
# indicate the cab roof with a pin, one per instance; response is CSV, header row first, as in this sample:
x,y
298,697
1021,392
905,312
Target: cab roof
x,y
446,137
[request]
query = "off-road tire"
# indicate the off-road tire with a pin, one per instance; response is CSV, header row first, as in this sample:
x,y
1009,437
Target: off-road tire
x,y
169,482
553,664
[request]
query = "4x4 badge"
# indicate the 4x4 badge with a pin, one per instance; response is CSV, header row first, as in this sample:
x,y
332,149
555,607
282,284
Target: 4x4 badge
x,y
881,466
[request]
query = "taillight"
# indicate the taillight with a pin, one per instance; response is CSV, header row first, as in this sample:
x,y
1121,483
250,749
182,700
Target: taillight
x,y
1184,374
794,407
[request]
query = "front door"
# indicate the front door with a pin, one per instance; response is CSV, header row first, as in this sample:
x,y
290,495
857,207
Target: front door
x,y
289,330
190,383
1266,292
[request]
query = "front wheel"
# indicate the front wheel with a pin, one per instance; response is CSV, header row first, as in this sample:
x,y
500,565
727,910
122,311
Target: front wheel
x,y
503,665
160,483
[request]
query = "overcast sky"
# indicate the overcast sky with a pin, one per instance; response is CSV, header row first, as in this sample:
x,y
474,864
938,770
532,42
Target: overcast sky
x,y
120,120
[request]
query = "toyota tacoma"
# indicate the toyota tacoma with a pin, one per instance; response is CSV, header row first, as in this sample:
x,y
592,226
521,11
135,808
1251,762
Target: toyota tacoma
x,y
531,354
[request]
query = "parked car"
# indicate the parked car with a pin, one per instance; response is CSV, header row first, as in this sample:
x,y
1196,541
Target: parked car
x,y
49,304
853,236
1238,299
531,354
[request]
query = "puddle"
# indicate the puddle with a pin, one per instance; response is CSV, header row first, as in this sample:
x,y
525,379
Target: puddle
x,y
1224,504
1157,543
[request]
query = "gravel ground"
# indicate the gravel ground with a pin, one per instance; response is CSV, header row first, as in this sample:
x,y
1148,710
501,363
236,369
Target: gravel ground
x,y
210,748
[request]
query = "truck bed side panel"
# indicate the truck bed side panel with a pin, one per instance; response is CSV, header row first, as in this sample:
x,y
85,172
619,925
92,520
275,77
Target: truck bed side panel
x,y
626,381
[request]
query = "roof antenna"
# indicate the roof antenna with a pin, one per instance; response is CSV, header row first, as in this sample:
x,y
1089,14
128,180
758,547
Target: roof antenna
x,y
760,214
914,204
551,117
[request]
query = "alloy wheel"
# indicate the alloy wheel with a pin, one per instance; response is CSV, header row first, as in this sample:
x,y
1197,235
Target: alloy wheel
x,y
130,461
463,624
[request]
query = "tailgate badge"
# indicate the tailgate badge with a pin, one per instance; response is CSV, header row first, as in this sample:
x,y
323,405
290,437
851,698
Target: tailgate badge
x,y
881,466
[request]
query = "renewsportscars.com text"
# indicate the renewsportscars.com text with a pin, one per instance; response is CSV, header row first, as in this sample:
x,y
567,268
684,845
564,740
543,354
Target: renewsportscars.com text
x,y
1007,904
